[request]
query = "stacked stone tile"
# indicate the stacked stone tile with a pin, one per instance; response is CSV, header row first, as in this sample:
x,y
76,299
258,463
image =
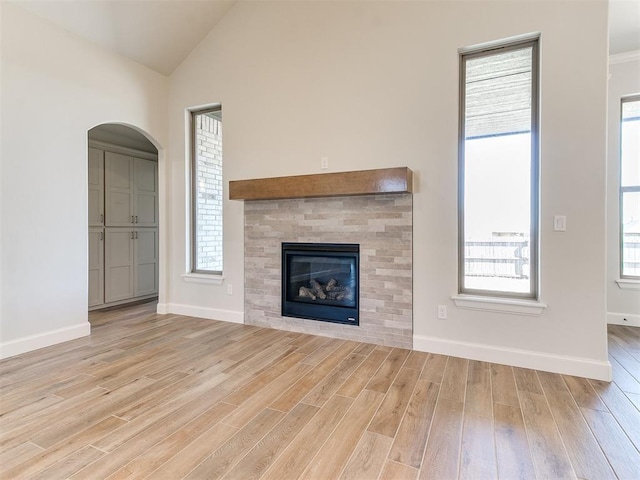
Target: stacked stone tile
x,y
381,224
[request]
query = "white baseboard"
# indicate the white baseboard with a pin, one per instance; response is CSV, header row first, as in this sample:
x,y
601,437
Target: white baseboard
x,y
203,312
162,308
623,319
41,340
580,367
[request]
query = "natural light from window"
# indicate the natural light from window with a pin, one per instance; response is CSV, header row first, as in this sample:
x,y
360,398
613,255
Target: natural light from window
x,y
498,172
207,191
630,188
497,213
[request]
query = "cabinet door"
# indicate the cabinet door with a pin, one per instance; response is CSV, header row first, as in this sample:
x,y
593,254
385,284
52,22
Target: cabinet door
x,y
96,187
119,189
146,261
119,264
146,192
96,266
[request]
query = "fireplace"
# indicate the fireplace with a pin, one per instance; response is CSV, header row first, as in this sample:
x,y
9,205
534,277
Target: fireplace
x,y
380,224
320,281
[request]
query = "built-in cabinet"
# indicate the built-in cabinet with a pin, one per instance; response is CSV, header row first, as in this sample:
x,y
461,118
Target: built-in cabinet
x,y
131,263
96,266
123,225
96,187
131,186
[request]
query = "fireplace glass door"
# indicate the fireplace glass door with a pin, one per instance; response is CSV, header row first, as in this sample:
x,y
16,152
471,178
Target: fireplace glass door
x,y
320,281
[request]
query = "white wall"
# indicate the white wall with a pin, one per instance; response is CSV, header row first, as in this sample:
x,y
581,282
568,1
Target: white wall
x,y
375,84
623,305
54,88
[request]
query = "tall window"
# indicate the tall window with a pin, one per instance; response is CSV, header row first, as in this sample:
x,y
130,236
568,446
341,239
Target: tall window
x,y
206,189
498,171
630,188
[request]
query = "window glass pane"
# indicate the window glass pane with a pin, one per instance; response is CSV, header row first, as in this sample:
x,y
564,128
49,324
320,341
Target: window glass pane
x,y
630,144
207,196
631,234
497,213
497,172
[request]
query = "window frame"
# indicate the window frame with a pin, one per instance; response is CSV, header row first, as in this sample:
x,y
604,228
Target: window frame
x,y
194,191
533,42
624,189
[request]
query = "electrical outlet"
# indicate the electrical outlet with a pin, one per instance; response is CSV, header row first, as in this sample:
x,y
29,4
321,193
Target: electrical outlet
x,y
442,312
560,223
324,163
229,289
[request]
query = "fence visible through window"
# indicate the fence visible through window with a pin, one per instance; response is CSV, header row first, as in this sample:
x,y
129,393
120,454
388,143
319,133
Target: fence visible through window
x,y
631,254
498,261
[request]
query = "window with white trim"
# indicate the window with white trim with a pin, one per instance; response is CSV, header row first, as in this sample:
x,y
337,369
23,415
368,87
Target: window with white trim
x,y
630,188
206,191
498,171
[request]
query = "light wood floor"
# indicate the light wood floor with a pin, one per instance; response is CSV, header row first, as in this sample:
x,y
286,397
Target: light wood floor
x,y
168,397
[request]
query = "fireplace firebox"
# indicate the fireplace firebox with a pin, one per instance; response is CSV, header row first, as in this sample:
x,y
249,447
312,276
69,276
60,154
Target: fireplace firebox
x,y
320,281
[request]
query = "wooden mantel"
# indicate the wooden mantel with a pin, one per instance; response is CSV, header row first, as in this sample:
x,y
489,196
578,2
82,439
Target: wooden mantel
x,y
363,182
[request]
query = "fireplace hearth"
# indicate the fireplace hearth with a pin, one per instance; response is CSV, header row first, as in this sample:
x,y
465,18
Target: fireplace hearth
x,y
320,281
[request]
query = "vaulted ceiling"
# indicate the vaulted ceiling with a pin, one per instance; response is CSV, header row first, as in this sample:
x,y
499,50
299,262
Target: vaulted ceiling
x,y
161,33
156,33
624,26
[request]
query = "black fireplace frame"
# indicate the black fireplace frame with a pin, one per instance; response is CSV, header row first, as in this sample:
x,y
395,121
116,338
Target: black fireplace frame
x,y
315,311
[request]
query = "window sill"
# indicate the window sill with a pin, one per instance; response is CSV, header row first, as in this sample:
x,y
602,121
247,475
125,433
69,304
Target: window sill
x,y
499,305
203,278
628,284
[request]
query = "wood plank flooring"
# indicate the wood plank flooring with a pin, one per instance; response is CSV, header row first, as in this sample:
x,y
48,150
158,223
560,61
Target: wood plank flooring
x,y
170,397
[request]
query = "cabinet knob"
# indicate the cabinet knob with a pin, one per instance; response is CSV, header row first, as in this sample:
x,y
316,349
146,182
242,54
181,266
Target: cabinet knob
x,y
131,235
132,219
102,218
136,218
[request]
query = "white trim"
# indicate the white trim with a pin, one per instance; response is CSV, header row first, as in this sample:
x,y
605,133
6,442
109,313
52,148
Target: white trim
x,y
203,278
162,308
624,57
123,150
204,312
628,284
623,319
577,366
525,37
499,305
163,226
42,340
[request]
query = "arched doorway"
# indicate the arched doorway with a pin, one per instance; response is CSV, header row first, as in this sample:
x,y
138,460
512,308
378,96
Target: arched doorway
x,y
123,217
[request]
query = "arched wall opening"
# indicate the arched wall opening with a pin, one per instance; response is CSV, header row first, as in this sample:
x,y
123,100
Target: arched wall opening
x,y
125,220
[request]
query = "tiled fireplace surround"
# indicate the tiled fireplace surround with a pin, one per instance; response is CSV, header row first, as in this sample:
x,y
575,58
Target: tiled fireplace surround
x,y
381,224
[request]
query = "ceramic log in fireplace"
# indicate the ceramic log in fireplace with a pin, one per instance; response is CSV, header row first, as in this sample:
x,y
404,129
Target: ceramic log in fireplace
x,y
320,281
